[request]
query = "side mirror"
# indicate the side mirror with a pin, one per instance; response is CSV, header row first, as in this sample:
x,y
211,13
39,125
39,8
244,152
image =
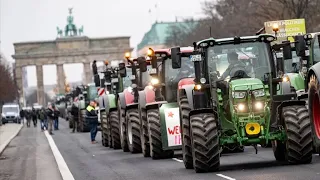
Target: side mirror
x,y
287,53
154,63
176,57
142,64
102,83
300,45
318,36
97,80
122,70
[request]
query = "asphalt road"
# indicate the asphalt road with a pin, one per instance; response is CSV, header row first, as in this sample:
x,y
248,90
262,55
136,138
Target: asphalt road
x,y
29,157
24,159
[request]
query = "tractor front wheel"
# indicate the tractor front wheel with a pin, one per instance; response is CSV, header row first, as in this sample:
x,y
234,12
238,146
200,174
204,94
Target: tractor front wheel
x,y
145,145
298,146
154,129
205,143
123,131
104,129
186,136
133,131
114,129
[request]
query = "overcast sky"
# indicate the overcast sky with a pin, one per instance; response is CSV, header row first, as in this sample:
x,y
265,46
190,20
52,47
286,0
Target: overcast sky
x,y
33,20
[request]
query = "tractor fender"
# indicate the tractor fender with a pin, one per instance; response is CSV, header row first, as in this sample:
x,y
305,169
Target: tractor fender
x,y
146,96
314,70
142,99
129,97
202,110
122,100
155,104
101,103
110,102
286,87
187,90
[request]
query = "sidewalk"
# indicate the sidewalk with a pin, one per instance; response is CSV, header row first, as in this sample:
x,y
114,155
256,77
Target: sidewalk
x,y
7,133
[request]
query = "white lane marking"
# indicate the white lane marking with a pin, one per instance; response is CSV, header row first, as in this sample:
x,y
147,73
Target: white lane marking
x,y
177,160
62,165
225,177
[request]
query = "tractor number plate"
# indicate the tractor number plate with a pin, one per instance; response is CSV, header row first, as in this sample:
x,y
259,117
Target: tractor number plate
x,y
115,80
153,71
196,57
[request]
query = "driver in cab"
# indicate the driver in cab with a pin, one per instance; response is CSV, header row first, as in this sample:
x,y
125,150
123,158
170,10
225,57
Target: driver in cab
x,y
234,66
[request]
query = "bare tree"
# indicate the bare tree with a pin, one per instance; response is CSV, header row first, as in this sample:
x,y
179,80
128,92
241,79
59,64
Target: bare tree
x,y
8,88
244,17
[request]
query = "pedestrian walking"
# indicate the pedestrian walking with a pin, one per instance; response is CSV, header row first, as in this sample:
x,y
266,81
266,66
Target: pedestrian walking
x,y
92,118
52,114
34,117
22,116
28,117
43,119
75,116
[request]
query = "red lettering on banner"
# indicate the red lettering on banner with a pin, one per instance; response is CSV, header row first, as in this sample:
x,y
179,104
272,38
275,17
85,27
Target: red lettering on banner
x,y
174,130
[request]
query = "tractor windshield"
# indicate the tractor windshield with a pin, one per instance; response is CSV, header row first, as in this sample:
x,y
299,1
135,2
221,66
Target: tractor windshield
x,y
127,80
292,65
145,77
227,59
171,77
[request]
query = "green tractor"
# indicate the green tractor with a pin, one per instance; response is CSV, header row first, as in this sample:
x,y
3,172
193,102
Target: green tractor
x,y
114,80
86,93
245,104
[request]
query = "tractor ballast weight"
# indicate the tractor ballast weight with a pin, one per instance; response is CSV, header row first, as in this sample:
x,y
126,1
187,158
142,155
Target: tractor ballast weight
x,y
242,113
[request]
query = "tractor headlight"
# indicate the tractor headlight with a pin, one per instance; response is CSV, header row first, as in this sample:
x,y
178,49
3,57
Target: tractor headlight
x,y
258,93
203,80
238,94
258,105
241,107
154,81
285,79
197,87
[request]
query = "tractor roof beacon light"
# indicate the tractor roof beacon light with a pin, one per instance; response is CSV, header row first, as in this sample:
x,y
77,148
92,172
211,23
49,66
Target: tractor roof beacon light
x,y
127,55
150,52
275,28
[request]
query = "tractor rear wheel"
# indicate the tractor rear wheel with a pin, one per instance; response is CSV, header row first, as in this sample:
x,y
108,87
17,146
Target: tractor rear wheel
x,y
299,137
123,133
114,129
145,145
205,142
186,136
108,132
314,111
133,131
154,129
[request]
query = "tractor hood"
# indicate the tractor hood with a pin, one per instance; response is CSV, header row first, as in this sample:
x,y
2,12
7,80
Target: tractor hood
x,y
296,80
245,84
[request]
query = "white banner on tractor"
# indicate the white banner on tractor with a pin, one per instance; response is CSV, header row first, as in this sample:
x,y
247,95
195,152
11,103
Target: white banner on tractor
x,y
100,91
172,118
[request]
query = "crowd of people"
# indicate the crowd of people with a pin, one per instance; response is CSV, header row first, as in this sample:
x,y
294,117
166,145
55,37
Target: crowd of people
x,y
49,117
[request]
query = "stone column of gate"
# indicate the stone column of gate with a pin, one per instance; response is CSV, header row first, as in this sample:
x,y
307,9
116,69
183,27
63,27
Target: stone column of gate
x,y
40,85
19,80
88,72
60,79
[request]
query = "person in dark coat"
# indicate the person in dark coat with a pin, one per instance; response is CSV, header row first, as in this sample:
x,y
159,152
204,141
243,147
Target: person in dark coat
x,y
52,114
22,115
75,116
92,118
34,117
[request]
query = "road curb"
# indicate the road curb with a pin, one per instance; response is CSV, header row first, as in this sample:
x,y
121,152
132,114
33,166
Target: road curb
x,y
6,143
